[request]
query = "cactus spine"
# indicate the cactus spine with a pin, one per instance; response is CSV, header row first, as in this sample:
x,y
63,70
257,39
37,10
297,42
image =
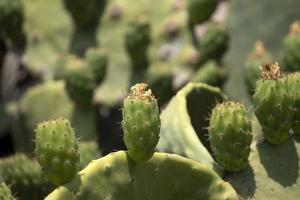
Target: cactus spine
x,y
141,123
230,135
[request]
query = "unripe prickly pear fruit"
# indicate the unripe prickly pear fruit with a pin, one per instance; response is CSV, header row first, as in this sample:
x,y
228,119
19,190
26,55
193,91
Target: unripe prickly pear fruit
x,y
141,123
137,41
200,10
57,150
213,43
230,135
273,104
255,60
294,83
80,85
97,60
290,55
11,21
5,193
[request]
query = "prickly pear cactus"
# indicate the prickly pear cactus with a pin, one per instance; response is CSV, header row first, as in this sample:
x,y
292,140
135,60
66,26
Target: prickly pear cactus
x,y
255,60
294,82
5,193
273,104
57,150
88,151
230,135
290,55
141,123
157,178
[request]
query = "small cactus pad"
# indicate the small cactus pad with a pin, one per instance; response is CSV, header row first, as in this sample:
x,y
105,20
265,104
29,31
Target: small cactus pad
x,y
57,150
290,54
97,60
273,104
200,10
5,193
230,135
163,177
141,122
294,83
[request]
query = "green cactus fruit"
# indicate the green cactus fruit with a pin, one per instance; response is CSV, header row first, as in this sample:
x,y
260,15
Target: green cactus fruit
x,y
141,123
210,74
97,60
88,151
230,135
163,177
256,58
57,150
273,104
137,41
85,13
294,83
214,42
160,80
200,10
24,176
190,56
11,21
290,55
67,63
80,85
5,193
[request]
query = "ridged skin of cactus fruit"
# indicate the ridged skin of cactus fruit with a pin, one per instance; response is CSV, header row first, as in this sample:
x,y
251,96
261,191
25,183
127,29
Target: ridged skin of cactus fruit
x,y
273,104
97,60
5,193
160,80
57,150
200,10
163,177
294,83
85,13
80,85
11,21
213,43
255,60
88,151
141,122
137,41
230,135
24,177
210,74
290,55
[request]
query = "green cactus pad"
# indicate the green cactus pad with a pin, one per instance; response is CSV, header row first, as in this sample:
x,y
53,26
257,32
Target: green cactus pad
x,y
88,151
210,74
294,83
57,150
5,193
184,122
141,122
255,60
273,104
290,54
163,177
24,176
230,135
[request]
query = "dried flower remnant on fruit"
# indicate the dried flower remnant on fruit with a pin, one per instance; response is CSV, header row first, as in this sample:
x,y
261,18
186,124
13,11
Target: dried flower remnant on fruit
x,y
270,71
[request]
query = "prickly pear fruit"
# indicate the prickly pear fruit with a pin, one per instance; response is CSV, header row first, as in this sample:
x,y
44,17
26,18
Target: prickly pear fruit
x,y
255,60
290,55
160,80
80,85
5,193
137,40
273,104
213,43
11,21
85,13
57,150
210,74
97,60
230,135
141,122
294,83
200,10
